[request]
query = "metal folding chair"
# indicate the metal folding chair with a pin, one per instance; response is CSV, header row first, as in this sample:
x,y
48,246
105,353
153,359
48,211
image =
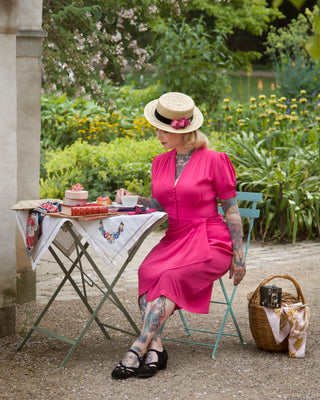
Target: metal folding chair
x,y
251,213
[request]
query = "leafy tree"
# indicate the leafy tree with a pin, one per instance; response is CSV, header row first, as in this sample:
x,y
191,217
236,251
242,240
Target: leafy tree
x,y
313,42
88,42
295,69
191,60
229,17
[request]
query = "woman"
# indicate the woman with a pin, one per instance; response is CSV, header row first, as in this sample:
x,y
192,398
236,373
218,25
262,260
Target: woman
x,y
198,247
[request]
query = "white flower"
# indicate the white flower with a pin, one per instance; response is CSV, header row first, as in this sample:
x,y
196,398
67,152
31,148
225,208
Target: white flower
x,y
142,27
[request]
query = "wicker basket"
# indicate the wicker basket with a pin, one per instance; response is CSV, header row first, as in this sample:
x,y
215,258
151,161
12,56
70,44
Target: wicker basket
x,y
259,324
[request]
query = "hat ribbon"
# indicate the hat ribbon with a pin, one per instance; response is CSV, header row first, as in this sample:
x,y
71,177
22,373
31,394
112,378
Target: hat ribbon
x,y
176,124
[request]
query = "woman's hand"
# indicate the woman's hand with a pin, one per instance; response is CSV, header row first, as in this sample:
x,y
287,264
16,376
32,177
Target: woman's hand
x,y
237,267
122,192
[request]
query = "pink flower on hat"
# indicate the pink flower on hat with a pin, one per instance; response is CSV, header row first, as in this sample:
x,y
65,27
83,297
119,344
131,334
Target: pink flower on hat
x,y
180,123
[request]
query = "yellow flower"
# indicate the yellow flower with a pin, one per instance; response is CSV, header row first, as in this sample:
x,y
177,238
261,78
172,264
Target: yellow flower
x,y
294,106
263,115
252,99
253,106
226,100
262,97
272,96
276,123
303,92
282,99
293,100
271,112
303,100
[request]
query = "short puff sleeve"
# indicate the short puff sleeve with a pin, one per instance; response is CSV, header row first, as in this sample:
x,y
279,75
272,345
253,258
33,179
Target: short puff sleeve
x,y
224,180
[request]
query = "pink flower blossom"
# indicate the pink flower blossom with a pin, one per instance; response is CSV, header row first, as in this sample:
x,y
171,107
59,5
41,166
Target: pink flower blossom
x,y
180,123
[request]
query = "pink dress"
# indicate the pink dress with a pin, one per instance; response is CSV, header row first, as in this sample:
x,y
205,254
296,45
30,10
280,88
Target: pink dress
x,y
196,249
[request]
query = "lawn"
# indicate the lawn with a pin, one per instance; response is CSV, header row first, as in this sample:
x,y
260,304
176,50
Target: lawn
x,y
242,87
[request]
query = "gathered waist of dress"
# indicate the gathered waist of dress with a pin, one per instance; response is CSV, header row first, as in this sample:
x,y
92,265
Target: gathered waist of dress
x,y
195,220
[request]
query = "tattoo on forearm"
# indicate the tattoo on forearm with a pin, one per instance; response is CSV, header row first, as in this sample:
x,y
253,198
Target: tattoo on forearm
x,y
233,220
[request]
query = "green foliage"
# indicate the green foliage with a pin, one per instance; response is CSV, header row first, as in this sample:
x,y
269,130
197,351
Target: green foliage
x,y
100,169
248,15
313,43
65,120
192,61
274,145
231,17
294,67
289,180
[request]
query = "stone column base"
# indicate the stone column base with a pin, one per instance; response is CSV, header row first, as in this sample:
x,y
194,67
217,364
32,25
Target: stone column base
x,y
7,321
26,287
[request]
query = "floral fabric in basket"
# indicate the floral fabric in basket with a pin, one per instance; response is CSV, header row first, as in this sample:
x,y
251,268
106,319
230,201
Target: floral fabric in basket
x,y
292,320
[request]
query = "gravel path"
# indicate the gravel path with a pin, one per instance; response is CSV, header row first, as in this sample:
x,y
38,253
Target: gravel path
x,y
237,372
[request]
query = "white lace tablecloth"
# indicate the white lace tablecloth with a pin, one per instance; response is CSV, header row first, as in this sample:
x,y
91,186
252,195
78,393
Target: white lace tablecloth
x,y
111,237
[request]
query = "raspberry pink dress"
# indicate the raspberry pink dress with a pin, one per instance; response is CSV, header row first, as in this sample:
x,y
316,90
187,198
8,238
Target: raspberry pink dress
x,y
196,249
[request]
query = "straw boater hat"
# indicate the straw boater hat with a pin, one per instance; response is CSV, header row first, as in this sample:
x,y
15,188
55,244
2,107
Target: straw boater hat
x,y
174,112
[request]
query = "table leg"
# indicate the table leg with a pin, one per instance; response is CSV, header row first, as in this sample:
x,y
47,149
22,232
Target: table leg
x,y
65,278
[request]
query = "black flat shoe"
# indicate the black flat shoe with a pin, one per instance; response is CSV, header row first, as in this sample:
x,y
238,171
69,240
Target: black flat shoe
x,y
121,371
150,369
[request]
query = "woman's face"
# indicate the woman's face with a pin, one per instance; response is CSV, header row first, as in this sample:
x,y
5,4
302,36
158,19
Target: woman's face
x,y
170,140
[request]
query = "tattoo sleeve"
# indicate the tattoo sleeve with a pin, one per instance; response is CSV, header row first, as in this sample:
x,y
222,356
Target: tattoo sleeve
x,y
155,315
233,220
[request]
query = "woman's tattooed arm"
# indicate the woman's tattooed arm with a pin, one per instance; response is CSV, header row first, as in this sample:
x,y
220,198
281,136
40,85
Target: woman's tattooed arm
x,y
233,220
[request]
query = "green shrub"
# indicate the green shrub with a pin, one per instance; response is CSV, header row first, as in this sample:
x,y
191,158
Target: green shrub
x,y
100,169
65,120
289,179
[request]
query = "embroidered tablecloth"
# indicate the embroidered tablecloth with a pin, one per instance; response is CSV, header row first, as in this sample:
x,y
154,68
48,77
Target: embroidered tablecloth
x,y
111,237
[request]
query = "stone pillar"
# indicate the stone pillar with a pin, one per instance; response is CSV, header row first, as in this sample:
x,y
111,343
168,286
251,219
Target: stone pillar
x,y
29,76
8,163
20,94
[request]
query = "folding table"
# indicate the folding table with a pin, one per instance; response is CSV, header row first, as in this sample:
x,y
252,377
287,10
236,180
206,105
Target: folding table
x,y
114,239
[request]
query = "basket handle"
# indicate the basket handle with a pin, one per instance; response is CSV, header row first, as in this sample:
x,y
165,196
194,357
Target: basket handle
x,y
297,286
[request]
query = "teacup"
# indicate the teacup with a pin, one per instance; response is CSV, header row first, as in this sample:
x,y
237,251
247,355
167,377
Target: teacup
x,y
129,201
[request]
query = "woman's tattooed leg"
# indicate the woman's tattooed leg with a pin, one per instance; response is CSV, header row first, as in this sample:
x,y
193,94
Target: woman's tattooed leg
x,y
154,315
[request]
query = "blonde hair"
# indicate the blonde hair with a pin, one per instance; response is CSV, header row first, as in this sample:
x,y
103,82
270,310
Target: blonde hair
x,y
197,139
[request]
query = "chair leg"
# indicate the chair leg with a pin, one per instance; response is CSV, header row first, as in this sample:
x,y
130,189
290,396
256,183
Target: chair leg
x,y
184,322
